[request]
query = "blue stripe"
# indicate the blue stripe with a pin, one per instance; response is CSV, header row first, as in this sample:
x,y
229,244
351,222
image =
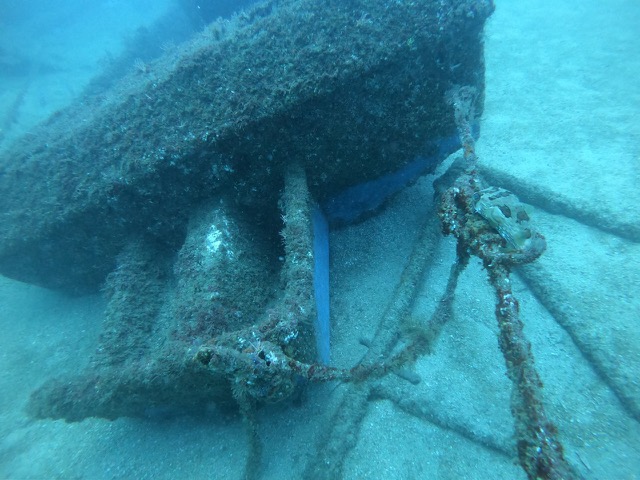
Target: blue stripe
x,y
321,284
348,207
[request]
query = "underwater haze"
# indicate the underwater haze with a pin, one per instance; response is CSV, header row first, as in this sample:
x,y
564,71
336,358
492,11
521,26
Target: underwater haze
x,y
559,141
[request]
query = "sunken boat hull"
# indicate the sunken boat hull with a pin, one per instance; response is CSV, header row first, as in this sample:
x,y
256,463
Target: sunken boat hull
x,y
352,90
187,192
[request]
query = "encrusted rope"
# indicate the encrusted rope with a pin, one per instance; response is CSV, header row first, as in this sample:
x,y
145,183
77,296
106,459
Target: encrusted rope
x,y
539,450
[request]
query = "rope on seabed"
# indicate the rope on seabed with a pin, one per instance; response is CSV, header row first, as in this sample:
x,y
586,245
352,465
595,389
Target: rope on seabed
x,y
539,450
261,368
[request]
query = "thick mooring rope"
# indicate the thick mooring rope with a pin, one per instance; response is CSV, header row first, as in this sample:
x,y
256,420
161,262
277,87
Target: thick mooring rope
x,y
539,450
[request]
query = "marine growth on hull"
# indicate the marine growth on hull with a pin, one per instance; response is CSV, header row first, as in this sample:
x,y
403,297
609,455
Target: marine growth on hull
x,y
198,195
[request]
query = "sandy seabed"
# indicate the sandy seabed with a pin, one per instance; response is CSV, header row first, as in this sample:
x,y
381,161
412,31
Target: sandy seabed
x,y
559,129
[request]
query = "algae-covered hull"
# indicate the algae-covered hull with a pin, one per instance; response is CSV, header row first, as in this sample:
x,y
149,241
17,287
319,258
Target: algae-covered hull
x,y
187,192
352,90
